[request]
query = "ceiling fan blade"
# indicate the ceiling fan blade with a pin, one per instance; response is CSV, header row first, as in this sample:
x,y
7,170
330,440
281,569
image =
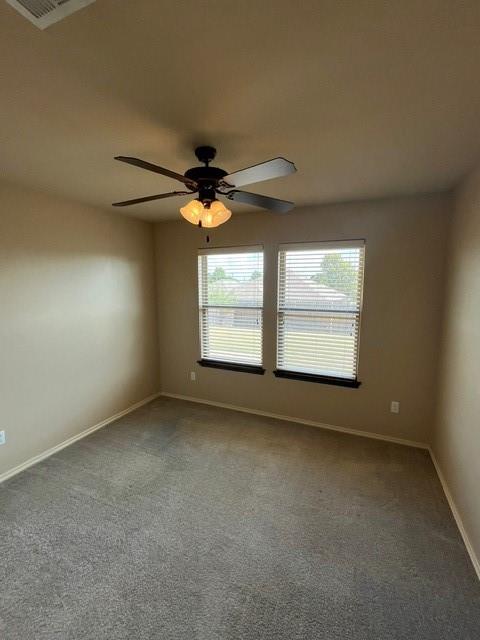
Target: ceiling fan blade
x,y
257,200
142,164
275,168
159,196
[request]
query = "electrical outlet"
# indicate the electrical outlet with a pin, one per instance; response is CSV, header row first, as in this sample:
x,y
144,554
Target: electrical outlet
x,y
193,376
395,406
3,437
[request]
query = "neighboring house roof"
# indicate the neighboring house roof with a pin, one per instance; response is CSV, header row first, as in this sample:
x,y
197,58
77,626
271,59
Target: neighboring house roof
x,y
307,294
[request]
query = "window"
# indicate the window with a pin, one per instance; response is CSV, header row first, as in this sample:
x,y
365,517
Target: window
x,y
231,308
319,306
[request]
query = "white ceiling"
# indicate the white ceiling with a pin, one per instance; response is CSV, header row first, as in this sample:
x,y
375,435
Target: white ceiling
x,y
368,98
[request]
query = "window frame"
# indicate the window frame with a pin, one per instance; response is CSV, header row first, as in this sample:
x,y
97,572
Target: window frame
x,y
257,369
308,376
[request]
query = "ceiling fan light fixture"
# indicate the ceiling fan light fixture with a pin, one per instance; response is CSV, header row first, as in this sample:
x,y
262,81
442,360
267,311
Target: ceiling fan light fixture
x,y
211,216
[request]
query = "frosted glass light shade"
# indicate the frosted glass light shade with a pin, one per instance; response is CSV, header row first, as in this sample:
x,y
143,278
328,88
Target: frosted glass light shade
x,y
210,217
193,211
216,215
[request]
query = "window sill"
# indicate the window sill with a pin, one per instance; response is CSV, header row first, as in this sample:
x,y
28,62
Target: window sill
x,y
311,377
232,366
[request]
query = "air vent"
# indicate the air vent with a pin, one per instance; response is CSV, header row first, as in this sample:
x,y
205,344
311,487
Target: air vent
x,y
43,13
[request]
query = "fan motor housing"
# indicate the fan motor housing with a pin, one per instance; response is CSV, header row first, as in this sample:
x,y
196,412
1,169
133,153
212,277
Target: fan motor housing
x,y
207,179
205,174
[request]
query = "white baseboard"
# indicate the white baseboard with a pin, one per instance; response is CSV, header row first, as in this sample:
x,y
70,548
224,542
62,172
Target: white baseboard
x,y
311,423
49,452
456,515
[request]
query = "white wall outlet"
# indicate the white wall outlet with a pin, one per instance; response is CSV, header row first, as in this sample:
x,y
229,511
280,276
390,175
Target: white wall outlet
x,y
193,376
3,437
395,406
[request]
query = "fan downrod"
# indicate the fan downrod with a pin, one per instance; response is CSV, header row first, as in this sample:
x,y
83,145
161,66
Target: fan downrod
x,y
205,154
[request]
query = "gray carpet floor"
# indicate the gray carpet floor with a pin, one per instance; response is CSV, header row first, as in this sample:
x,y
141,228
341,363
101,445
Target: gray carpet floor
x,y
183,521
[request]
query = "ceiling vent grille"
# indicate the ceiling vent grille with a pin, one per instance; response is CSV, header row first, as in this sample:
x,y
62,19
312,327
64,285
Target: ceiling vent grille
x,y
43,13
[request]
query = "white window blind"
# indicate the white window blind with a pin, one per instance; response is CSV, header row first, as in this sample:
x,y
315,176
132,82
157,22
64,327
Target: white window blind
x,y
231,304
319,306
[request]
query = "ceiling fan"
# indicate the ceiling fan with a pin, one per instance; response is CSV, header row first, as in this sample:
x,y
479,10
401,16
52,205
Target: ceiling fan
x,y
208,182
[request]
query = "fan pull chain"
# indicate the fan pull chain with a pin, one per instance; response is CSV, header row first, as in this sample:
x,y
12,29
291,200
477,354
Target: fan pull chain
x,y
200,226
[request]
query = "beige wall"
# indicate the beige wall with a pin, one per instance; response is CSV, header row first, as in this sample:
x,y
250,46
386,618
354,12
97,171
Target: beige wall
x,y
457,434
77,319
400,329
